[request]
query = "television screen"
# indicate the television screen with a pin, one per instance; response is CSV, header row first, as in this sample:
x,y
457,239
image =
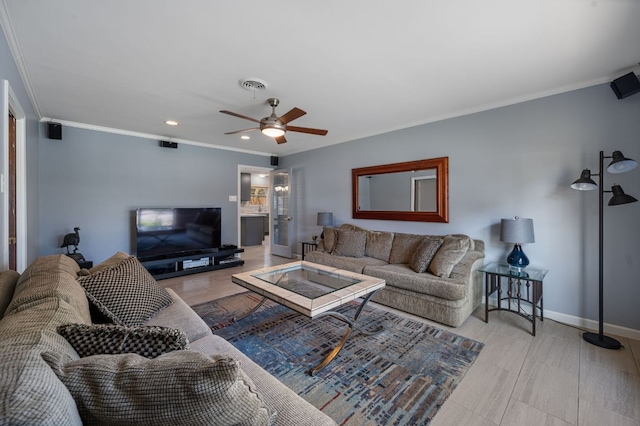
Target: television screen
x,y
161,232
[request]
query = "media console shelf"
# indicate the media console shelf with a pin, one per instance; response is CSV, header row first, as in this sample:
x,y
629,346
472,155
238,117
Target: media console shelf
x,y
192,264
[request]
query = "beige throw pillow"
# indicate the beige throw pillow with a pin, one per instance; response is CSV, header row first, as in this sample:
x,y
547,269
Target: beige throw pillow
x,y
112,339
329,239
350,243
448,255
424,253
177,388
126,293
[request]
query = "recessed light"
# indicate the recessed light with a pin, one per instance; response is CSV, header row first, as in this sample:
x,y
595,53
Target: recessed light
x,y
171,122
245,137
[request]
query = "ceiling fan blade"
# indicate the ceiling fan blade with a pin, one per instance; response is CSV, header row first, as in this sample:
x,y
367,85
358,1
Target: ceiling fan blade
x,y
242,131
281,139
307,130
292,115
240,116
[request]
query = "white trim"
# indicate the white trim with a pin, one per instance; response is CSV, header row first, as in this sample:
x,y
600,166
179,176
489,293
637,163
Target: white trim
x,y
150,136
12,41
11,104
580,322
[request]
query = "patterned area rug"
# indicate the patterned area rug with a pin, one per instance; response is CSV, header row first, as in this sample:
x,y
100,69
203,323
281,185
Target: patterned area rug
x,y
401,376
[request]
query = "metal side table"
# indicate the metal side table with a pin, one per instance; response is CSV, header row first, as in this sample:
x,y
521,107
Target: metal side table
x,y
514,287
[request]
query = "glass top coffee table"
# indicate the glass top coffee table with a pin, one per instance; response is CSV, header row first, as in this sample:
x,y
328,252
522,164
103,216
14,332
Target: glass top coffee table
x,y
313,290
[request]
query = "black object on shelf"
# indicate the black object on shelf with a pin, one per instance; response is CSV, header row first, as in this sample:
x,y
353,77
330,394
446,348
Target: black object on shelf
x,y
169,267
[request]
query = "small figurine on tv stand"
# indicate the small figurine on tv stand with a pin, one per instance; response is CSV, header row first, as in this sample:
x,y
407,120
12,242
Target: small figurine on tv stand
x,y
73,239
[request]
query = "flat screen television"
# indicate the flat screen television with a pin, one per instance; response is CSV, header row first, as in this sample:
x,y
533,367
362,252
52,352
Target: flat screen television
x,y
164,232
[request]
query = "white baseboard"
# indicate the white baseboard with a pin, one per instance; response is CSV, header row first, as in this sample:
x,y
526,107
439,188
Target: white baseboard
x,y
581,322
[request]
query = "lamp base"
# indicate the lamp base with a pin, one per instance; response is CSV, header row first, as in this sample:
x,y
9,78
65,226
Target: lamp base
x,y
606,342
517,259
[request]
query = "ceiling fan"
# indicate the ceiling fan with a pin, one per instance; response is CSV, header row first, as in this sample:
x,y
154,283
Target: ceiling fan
x,y
275,126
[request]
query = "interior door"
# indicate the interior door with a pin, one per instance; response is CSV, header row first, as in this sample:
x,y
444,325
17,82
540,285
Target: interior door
x,y
281,213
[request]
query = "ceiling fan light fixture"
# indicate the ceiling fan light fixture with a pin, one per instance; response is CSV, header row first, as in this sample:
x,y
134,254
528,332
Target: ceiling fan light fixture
x,y
273,132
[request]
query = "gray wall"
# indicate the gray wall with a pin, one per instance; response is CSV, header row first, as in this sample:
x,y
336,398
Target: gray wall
x,y
9,71
94,180
513,161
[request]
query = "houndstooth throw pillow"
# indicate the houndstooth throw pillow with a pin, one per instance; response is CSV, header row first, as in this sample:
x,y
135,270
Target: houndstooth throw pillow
x,y
422,256
126,293
350,243
112,339
177,388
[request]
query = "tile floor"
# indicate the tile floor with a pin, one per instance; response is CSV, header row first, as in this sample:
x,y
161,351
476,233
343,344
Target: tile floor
x,y
553,379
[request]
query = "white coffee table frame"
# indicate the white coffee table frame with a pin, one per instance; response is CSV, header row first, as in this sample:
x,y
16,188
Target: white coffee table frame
x,y
364,287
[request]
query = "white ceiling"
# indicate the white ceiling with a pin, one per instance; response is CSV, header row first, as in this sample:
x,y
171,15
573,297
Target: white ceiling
x,y
358,68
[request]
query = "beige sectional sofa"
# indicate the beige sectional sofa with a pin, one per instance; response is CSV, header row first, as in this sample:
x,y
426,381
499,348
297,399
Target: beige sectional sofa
x,y
44,381
435,277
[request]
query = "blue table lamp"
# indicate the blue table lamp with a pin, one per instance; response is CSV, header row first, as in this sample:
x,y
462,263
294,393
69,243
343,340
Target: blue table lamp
x,y
517,231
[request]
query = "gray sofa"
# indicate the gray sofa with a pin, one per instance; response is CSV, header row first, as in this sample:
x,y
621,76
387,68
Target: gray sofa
x,y
34,390
434,277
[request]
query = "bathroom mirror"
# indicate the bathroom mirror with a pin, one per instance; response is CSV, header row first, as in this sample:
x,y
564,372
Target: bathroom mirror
x,y
413,190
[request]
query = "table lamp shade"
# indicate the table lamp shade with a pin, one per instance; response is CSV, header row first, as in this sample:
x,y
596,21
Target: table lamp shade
x,y
517,231
325,219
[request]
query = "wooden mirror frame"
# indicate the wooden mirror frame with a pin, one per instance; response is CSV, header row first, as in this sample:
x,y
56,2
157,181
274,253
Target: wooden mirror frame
x,y
441,165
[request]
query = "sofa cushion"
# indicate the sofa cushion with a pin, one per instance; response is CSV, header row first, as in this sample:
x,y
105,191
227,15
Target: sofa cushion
x,y
180,315
30,393
47,277
126,292
112,339
379,245
8,280
453,249
401,276
403,247
422,256
181,387
350,243
353,264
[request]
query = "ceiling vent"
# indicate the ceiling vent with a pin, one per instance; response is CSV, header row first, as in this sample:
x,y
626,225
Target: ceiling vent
x,y
253,84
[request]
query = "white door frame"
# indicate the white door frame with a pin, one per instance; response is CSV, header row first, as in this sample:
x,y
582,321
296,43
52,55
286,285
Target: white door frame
x,y
10,104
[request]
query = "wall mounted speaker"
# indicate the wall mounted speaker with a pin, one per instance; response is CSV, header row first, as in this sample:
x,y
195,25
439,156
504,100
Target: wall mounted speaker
x,y
274,160
626,85
54,130
167,144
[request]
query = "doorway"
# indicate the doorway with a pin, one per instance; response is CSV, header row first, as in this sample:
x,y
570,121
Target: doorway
x,y
253,206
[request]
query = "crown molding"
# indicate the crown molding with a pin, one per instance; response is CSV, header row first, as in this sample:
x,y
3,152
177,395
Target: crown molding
x,y
149,136
9,34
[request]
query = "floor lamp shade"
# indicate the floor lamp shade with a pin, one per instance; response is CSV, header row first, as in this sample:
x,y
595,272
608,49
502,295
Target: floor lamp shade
x,y
619,164
517,231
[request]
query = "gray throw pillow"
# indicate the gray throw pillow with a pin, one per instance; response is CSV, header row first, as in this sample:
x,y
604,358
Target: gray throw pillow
x,y
126,293
112,339
350,243
177,388
448,255
424,253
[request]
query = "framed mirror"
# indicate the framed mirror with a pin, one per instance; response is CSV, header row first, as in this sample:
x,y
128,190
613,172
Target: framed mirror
x,y
414,190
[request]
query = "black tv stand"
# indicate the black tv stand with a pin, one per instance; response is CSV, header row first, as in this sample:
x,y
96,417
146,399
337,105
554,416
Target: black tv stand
x,y
185,264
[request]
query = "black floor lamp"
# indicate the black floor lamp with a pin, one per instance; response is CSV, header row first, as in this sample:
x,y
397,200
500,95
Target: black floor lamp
x,y
619,164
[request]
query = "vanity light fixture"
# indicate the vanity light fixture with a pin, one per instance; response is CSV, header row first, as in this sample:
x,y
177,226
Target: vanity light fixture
x,y
171,122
